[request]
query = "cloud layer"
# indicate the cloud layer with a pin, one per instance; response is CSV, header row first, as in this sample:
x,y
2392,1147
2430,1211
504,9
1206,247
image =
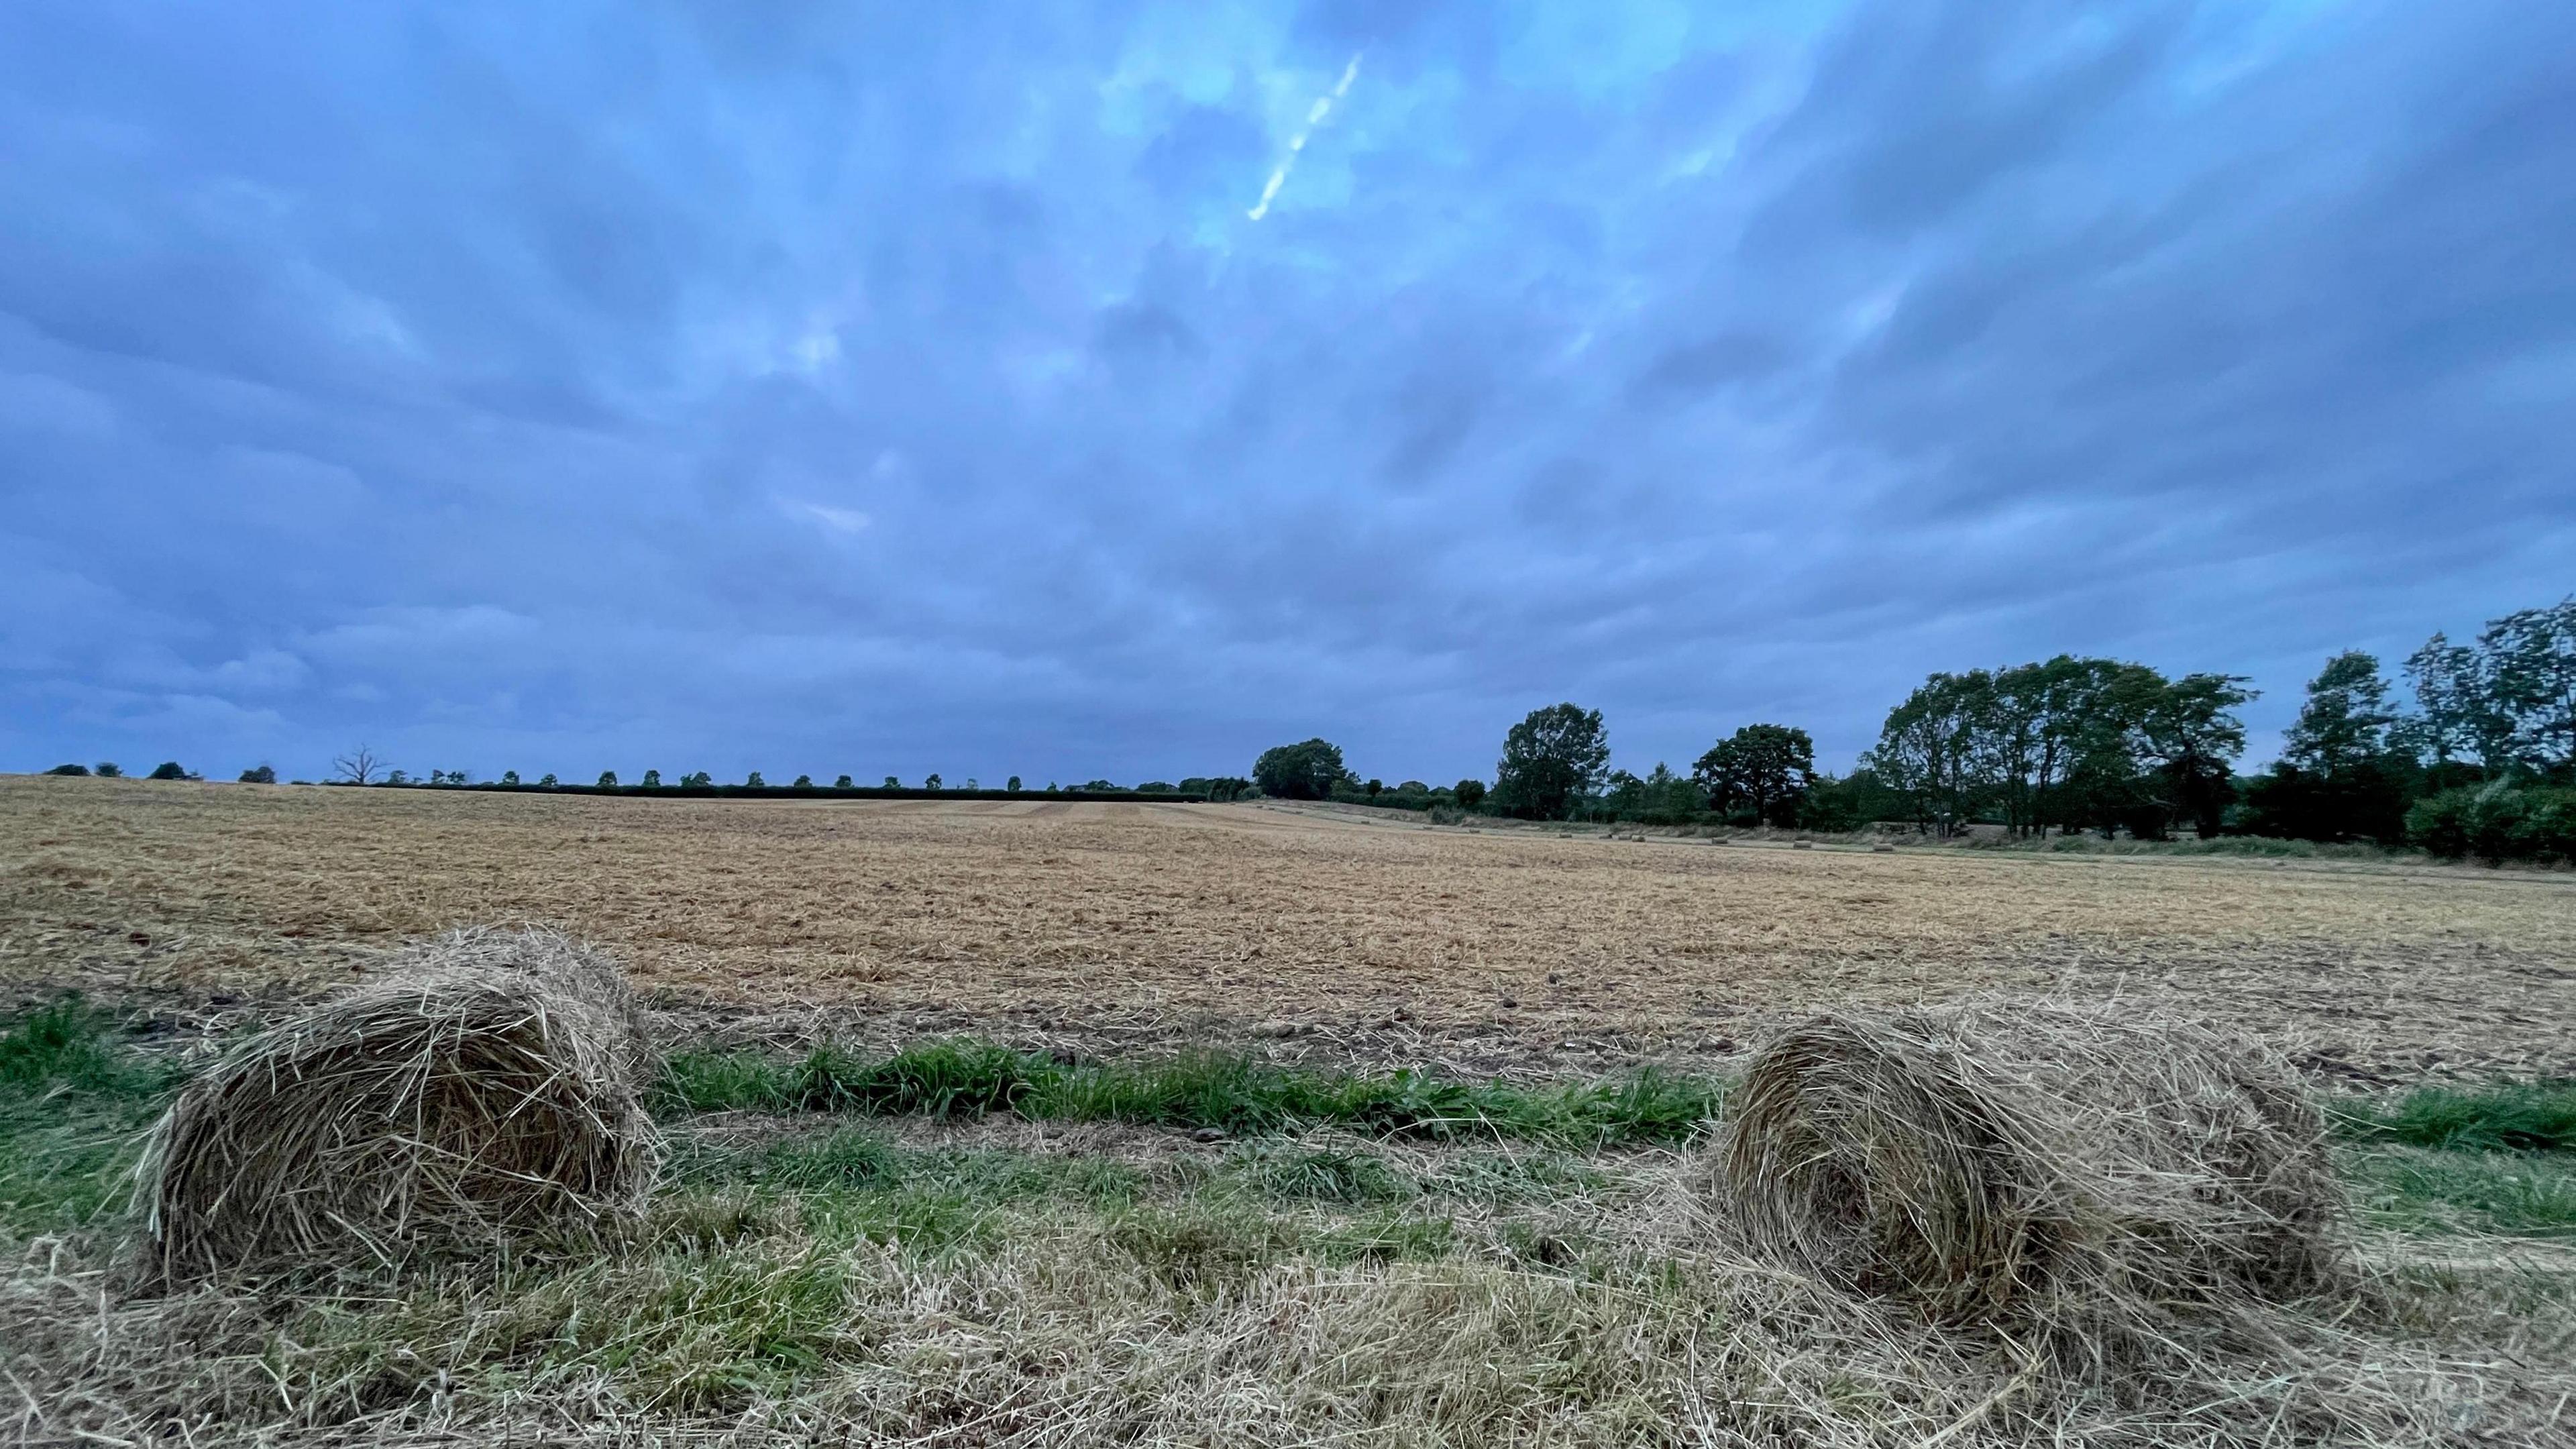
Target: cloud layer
x,y
719,386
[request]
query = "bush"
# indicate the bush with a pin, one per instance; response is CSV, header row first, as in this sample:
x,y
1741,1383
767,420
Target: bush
x,y
168,770
68,770
259,775
1470,793
107,770
2497,822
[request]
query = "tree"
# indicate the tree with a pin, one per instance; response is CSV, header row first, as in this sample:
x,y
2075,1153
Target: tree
x,y
168,770
608,779
804,782
1470,793
843,783
652,779
1013,786
894,784
548,782
698,781
68,770
107,770
359,767
1551,760
753,781
1927,750
1766,766
1307,770
259,775
2529,660
2345,719
930,783
510,777
2189,732
2452,721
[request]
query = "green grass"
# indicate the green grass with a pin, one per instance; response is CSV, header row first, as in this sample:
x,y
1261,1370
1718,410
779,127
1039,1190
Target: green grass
x,y
1233,1094
73,1103
2527,1116
2431,1192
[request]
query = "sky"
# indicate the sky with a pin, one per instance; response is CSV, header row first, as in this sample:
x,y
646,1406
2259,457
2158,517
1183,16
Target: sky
x,y
1115,390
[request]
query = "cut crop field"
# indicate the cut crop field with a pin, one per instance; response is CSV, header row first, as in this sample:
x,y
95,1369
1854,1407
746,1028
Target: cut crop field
x,y
1356,935
1045,1125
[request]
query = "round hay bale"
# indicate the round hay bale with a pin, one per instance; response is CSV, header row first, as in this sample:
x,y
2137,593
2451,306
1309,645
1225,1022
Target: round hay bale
x,y
487,1085
2048,1164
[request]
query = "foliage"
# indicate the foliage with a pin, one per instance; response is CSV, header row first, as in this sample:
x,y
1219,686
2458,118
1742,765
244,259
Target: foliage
x,y
1214,787
259,775
753,781
2498,821
2072,743
169,770
1765,768
1470,794
843,783
930,783
2343,775
804,782
68,770
652,779
549,781
107,770
509,777
1552,760
1307,770
892,783
1660,798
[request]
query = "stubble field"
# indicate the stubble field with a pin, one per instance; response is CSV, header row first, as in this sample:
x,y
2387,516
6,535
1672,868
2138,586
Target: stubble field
x,y
1249,1177
1315,932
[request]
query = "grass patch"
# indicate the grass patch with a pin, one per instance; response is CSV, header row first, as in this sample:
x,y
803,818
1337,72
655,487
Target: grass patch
x,y
74,1101
2433,1193
1233,1094
2527,1117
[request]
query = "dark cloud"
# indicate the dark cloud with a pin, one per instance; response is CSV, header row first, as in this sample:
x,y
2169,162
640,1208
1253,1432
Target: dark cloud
x,y
801,387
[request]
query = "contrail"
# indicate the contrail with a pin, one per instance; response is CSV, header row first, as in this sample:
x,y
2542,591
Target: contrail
x,y
1315,115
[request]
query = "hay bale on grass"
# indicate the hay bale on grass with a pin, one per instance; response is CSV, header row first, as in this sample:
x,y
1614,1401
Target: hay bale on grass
x,y
486,1086
2045,1167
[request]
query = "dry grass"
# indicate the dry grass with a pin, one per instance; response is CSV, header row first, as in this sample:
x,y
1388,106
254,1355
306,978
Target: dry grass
x,y
1096,925
487,1086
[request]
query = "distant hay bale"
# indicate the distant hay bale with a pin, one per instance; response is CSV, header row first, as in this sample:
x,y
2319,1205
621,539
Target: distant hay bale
x,y
2043,1166
487,1085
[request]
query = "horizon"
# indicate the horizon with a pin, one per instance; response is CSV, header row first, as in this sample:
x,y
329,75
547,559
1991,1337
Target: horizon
x,y
1119,392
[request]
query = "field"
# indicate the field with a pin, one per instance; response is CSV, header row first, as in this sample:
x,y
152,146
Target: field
x,y
1378,939
1234,1124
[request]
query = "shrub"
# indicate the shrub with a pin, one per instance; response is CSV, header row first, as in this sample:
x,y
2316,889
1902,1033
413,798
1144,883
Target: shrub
x,y
1470,793
107,770
68,770
168,770
259,775
2499,821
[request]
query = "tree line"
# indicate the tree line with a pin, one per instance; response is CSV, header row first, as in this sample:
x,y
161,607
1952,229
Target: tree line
x,y
2480,761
